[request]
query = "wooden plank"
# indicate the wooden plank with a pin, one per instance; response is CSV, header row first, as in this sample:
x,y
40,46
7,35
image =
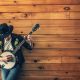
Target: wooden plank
x,y
52,52
43,59
16,2
74,15
71,59
55,38
47,23
39,8
45,15
54,66
49,30
53,45
52,59
42,66
51,73
48,78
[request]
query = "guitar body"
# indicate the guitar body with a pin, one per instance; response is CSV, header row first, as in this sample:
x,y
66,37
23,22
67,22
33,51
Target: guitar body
x,y
9,64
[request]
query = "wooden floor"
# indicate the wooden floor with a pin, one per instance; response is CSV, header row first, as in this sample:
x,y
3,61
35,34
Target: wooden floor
x,y
56,53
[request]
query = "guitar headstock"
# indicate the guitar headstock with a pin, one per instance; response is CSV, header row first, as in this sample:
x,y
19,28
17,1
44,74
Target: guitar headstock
x,y
35,27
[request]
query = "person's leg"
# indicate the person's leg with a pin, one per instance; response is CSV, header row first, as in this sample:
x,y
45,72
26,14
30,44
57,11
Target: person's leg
x,y
4,73
13,73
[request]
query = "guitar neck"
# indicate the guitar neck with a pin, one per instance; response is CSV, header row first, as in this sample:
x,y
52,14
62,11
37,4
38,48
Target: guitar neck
x,y
19,46
23,41
30,33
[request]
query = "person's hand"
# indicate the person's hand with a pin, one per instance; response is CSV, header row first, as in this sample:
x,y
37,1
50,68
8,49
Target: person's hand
x,y
29,38
4,59
7,58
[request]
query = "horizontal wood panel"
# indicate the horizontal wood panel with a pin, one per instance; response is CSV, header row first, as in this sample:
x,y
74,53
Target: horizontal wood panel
x,y
52,59
71,59
52,52
48,78
61,15
43,59
57,45
74,15
10,2
41,66
55,38
39,8
46,15
49,30
47,23
60,77
45,77
51,73
54,66
56,52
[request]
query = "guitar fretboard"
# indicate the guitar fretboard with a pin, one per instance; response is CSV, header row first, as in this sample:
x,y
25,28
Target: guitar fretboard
x,y
19,46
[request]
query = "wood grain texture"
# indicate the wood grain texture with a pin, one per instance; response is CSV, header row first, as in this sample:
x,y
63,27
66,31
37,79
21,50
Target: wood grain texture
x,y
50,30
39,8
52,66
56,52
55,45
52,53
39,15
43,59
16,2
49,78
46,23
51,73
56,37
52,59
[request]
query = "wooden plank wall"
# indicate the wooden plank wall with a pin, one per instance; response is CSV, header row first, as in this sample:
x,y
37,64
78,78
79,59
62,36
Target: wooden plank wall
x,y
56,53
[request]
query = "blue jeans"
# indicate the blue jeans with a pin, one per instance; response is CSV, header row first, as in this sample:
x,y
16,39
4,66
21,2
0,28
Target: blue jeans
x,y
10,74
